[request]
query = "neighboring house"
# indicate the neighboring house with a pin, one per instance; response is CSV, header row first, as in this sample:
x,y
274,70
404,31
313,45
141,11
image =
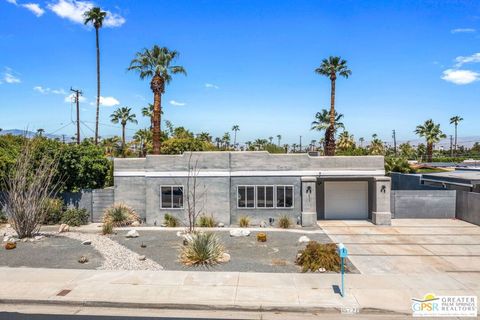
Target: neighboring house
x,y
464,179
260,185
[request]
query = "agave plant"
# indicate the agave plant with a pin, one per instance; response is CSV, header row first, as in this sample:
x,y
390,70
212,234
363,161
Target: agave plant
x,y
202,249
120,215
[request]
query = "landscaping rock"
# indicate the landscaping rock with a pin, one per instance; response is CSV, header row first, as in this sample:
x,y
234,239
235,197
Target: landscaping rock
x,y
239,233
221,225
135,224
10,245
87,242
180,234
322,270
64,228
83,259
6,238
263,224
303,239
142,258
225,258
132,234
39,237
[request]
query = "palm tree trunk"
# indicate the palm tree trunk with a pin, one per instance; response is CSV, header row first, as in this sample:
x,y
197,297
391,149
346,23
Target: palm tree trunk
x,y
98,87
123,140
157,86
429,152
330,132
455,147
235,138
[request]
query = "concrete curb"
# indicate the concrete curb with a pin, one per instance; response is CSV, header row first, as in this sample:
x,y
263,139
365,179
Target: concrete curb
x,y
191,306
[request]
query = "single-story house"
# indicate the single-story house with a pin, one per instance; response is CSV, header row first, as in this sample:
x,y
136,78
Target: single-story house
x,y
463,179
260,185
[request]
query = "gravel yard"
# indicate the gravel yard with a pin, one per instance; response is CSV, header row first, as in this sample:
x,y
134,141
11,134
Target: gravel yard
x,y
51,252
247,255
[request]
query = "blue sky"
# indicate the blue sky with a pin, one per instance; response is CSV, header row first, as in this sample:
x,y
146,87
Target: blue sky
x,y
249,63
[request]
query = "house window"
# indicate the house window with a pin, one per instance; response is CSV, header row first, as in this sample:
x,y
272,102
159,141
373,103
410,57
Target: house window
x,y
265,197
284,196
171,197
246,196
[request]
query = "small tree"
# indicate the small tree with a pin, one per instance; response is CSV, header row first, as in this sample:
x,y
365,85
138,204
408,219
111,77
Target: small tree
x,y
28,187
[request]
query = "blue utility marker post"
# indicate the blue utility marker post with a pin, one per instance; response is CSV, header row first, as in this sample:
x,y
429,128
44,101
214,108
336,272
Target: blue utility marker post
x,y
343,253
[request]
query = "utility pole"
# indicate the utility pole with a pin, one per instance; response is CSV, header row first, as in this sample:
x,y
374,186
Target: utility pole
x,y
394,142
63,138
78,93
300,144
451,146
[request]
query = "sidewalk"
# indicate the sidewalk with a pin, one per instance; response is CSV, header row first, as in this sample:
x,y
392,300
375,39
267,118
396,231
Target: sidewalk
x,y
227,290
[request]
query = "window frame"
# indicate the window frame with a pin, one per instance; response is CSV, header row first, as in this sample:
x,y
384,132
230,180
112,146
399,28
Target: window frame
x,y
171,196
255,196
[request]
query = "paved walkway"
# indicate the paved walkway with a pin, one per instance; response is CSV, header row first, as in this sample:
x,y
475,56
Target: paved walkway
x,y
409,245
227,290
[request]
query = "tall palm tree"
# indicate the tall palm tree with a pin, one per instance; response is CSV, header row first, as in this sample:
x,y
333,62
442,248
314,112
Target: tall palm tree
x,y
432,134
156,63
376,145
204,136
362,140
226,140
331,68
279,138
322,122
123,116
455,121
95,16
110,145
148,113
345,141
235,128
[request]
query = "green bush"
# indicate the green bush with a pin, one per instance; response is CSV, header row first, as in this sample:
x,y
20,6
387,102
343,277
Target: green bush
x,y
107,228
54,209
319,255
206,221
170,221
120,215
202,249
244,222
75,217
284,222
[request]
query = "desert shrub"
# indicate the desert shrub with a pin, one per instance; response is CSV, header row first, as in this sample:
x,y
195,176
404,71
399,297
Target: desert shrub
x,y
261,237
244,221
202,248
54,209
75,217
206,221
120,215
284,222
107,228
319,255
170,221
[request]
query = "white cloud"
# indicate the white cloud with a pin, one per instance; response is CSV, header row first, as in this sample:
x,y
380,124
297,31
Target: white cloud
x,y
73,10
35,8
10,77
109,101
12,1
460,77
71,98
463,30
176,103
211,85
44,90
461,60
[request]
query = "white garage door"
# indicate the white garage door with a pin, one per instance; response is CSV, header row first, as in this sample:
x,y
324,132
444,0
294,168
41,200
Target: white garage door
x,y
346,200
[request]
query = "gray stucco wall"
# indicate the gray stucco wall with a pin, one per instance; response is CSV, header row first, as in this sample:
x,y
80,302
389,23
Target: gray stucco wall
x,y
468,206
423,204
131,191
403,181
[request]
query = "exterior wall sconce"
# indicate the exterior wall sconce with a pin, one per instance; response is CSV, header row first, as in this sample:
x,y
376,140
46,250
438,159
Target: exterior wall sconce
x,y
309,189
383,189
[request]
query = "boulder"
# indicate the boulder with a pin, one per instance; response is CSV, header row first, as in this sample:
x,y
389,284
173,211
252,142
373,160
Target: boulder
x,y
64,228
83,259
10,245
239,233
142,258
322,270
87,242
220,225
132,234
225,258
136,224
303,239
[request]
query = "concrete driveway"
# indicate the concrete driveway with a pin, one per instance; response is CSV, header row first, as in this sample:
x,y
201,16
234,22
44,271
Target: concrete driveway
x,y
409,245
